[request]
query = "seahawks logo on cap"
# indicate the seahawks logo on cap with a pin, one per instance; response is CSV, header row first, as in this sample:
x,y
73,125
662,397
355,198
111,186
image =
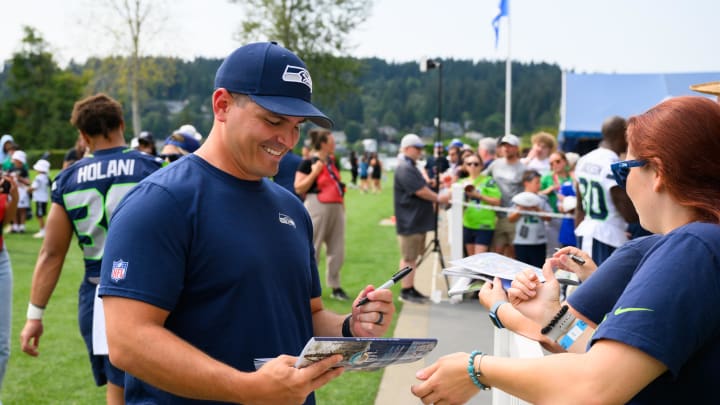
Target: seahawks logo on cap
x,y
297,74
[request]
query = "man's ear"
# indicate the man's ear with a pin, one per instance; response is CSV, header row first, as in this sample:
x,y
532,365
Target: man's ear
x,y
87,139
221,102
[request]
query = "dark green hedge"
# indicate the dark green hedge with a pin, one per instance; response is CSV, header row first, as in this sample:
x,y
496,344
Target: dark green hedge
x,y
56,157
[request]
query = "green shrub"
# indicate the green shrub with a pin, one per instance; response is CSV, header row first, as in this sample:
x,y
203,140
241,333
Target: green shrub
x,y
56,157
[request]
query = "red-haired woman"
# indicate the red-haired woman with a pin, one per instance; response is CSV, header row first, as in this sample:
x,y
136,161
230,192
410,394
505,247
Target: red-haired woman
x,y
660,342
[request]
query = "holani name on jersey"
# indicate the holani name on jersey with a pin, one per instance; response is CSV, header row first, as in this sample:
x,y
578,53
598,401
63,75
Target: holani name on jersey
x,y
113,168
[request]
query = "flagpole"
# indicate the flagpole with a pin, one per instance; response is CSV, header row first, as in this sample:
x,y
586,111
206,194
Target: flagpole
x,y
508,78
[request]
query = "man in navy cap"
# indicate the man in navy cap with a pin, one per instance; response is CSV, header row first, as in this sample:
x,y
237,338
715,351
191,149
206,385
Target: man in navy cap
x,y
210,265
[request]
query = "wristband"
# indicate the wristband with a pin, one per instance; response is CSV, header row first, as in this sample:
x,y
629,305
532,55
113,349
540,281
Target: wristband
x,y
475,373
346,332
574,333
34,311
560,324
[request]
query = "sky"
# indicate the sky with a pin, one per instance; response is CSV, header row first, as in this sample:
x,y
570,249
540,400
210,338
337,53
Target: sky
x,y
586,36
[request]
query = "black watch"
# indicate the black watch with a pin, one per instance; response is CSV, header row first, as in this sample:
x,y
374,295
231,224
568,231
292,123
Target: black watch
x,y
493,314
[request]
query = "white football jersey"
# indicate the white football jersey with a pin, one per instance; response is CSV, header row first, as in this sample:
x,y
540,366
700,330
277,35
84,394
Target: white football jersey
x,y
602,220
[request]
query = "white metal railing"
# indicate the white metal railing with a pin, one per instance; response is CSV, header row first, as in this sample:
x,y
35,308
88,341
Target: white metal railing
x,y
505,343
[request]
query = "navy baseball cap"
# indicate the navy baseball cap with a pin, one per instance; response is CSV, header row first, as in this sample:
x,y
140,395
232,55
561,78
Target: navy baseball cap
x,y
274,78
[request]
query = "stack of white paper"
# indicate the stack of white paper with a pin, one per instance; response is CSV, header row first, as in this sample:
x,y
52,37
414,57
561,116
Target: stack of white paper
x,y
474,270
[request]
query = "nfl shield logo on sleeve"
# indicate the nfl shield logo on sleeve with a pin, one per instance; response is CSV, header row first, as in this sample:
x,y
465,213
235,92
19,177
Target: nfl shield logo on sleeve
x,y
119,270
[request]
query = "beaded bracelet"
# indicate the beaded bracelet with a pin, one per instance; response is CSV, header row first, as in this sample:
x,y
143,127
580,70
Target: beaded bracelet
x,y
475,374
559,325
555,320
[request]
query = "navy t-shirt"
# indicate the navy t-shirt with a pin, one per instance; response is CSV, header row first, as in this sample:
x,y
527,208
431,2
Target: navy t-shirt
x,y
231,260
286,171
90,190
669,310
596,296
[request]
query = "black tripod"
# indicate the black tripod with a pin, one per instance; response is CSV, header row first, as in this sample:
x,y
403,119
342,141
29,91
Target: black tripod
x,y
434,245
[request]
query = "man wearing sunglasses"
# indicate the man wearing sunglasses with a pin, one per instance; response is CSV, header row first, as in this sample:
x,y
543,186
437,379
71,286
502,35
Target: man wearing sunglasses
x,y
603,208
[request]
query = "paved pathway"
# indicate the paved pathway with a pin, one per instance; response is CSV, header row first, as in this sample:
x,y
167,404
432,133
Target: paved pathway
x,y
458,327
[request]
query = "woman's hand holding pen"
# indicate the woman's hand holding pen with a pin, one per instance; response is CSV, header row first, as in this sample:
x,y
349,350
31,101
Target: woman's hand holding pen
x,y
373,318
573,260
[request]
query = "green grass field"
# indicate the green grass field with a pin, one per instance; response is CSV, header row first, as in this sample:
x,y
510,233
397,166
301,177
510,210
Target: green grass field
x,y
61,374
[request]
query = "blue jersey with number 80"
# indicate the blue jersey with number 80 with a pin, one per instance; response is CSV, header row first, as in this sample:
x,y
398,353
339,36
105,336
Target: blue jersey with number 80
x,y
89,191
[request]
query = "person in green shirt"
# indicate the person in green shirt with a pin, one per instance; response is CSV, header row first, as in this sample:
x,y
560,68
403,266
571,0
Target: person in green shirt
x,y
478,222
550,186
550,183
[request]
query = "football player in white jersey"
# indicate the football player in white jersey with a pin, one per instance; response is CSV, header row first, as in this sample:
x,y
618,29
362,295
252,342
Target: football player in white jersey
x,y
603,208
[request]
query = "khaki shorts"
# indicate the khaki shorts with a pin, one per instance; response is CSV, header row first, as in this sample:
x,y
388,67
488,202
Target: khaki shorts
x,y
411,246
504,233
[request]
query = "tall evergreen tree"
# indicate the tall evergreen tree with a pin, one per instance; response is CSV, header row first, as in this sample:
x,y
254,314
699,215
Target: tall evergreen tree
x,y
40,96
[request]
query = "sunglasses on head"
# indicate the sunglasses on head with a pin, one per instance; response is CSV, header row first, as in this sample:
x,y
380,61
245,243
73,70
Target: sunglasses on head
x,y
621,170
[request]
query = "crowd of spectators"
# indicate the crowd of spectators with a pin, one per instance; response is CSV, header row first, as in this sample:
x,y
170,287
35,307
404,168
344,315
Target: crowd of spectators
x,y
538,204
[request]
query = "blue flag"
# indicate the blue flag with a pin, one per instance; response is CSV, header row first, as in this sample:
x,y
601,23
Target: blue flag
x,y
496,21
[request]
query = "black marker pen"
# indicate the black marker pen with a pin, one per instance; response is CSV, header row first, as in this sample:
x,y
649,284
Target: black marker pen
x,y
577,259
395,278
